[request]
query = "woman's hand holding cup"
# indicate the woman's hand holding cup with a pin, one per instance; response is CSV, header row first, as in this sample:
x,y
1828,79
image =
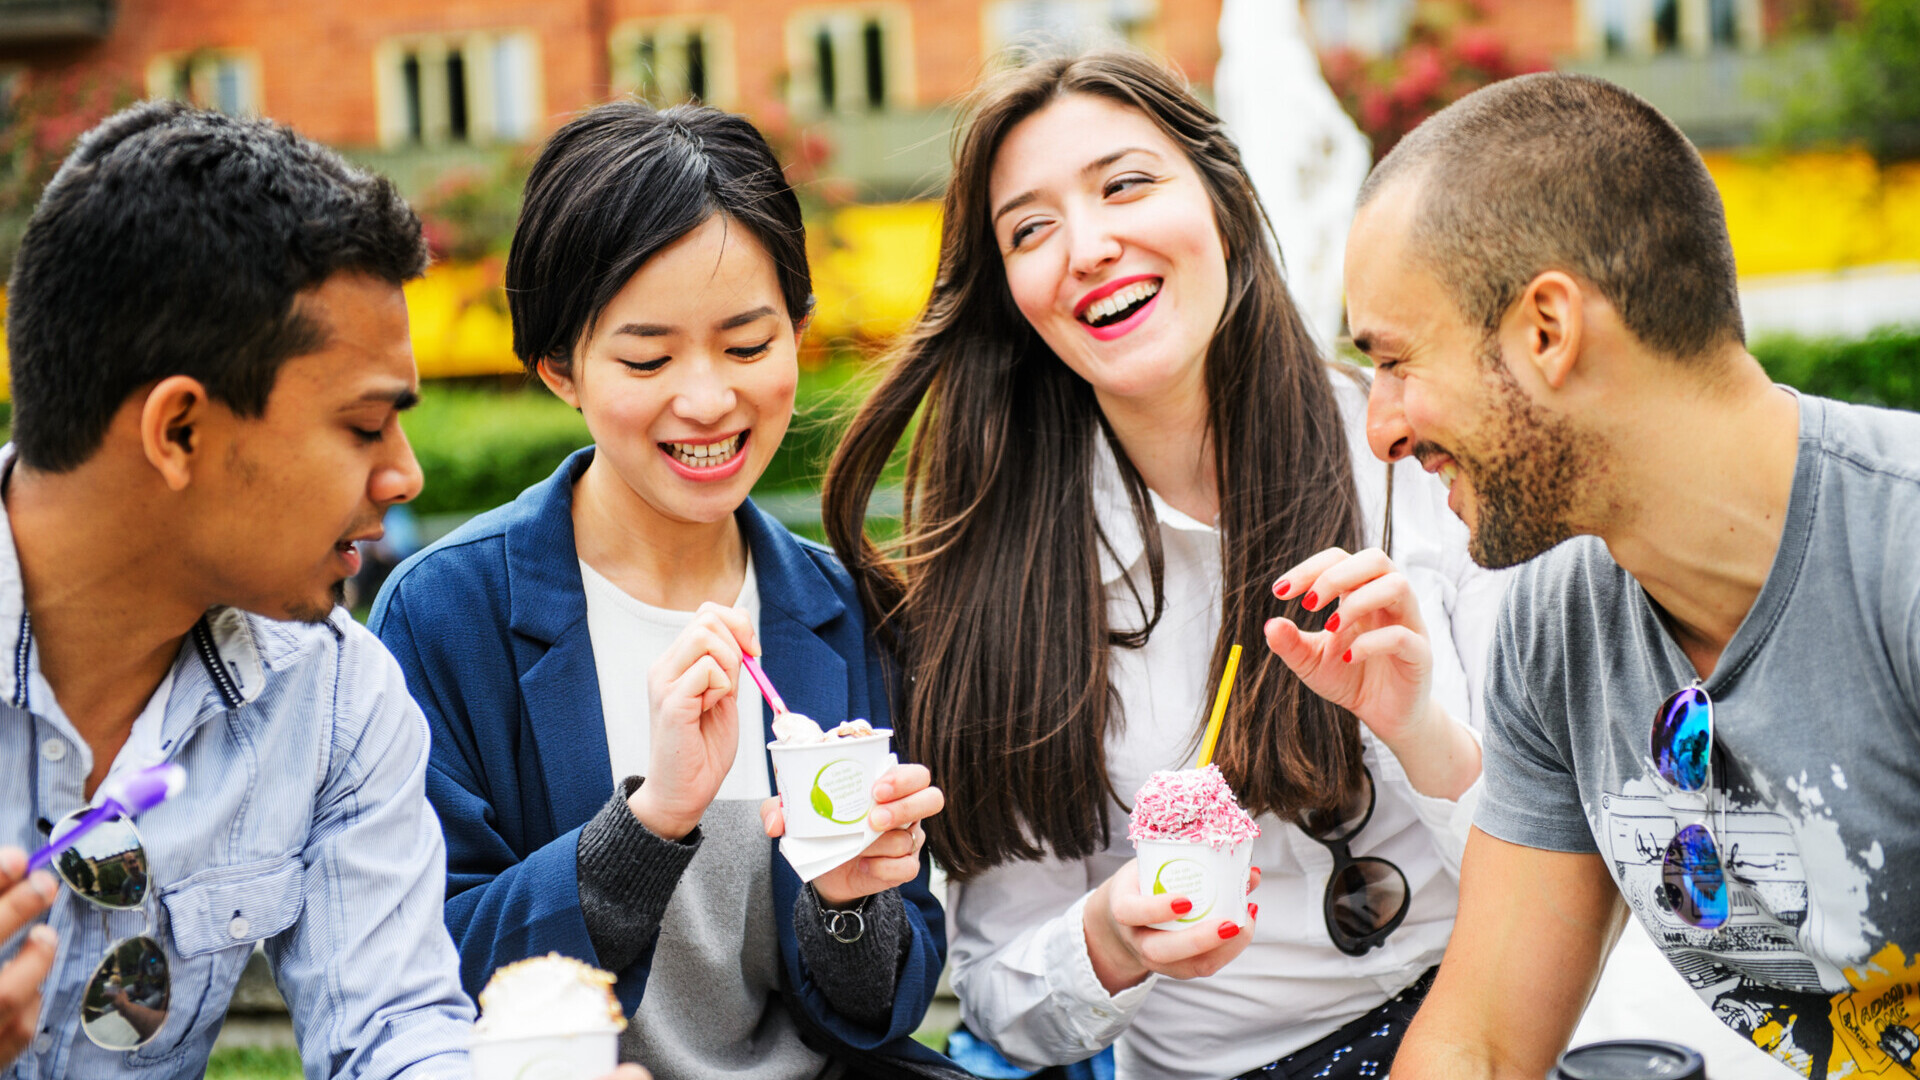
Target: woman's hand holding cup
x,y
695,720
1374,660
1118,921
903,797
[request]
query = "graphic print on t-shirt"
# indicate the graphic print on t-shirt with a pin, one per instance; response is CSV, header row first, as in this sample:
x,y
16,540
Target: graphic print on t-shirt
x,y
1754,971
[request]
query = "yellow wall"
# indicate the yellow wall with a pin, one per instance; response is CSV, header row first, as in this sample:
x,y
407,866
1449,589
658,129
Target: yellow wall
x,y
459,318
1811,213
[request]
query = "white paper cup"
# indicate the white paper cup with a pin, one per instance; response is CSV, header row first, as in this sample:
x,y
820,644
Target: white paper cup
x,y
1216,881
586,1056
826,788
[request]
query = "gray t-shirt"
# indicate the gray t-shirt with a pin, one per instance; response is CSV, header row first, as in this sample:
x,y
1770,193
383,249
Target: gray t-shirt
x,y
1817,721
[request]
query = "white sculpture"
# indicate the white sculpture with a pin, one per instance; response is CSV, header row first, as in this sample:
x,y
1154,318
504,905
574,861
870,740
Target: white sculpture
x,y
1306,157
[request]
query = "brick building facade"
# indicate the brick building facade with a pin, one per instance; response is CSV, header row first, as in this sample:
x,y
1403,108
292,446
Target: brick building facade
x,y
433,72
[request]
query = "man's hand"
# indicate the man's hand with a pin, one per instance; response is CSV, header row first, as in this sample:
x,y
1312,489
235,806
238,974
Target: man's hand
x,y
1533,929
22,900
695,720
628,1072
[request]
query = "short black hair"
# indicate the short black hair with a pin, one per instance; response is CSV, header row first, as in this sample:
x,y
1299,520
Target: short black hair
x,y
175,241
618,183
1569,172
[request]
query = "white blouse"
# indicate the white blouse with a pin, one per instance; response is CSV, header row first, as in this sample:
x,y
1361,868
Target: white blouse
x,y
1018,952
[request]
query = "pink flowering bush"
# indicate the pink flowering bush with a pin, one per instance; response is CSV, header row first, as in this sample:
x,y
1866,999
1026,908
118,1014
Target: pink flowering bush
x,y
1449,53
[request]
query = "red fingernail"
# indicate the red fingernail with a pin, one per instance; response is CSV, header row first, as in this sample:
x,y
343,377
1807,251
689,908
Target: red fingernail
x,y
1311,600
1280,588
1228,930
1333,622
1181,907
1253,911
1347,656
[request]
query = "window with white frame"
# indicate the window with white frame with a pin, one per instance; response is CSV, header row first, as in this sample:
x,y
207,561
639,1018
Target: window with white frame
x,y
672,60
223,79
1370,27
1651,27
1076,24
465,88
856,59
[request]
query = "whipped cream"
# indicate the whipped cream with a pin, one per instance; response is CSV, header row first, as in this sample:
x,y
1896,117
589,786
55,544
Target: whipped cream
x,y
795,729
546,996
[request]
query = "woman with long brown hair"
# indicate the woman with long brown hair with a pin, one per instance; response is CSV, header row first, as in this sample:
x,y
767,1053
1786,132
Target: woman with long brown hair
x,y
1124,433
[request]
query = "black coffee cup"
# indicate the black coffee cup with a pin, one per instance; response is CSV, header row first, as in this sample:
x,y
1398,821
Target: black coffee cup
x,y
1630,1059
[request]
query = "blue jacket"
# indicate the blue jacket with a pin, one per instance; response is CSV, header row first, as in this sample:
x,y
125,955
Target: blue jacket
x,y
490,626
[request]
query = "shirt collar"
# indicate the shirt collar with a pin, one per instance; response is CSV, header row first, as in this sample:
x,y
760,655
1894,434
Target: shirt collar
x,y
224,638
1113,511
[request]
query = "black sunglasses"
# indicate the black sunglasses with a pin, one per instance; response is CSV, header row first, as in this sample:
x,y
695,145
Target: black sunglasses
x,y
1366,897
126,1001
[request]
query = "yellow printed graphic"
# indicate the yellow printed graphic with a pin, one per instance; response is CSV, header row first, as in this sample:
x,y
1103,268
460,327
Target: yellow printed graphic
x,y
1876,1025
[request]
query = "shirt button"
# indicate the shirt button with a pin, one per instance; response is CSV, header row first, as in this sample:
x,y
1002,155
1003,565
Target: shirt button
x,y
53,749
43,1044
238,927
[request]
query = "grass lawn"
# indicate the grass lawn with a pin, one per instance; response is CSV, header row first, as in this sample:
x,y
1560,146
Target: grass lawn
x,y
252,1063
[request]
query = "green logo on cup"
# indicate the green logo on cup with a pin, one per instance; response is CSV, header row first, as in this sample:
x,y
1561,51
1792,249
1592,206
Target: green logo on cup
x,y
1184,877
840,793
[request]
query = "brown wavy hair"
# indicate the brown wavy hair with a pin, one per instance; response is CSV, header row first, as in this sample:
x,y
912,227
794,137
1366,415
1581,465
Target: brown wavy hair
x,y
991,597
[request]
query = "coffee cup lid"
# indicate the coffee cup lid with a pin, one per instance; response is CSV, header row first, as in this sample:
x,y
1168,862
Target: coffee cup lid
x,y
1631,1059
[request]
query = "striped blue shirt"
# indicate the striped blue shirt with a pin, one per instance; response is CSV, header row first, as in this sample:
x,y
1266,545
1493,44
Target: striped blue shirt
x,y
304,826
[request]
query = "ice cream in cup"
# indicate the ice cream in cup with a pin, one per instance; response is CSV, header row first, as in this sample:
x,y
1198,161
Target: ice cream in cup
x,y
826,778
1192,839
547,1018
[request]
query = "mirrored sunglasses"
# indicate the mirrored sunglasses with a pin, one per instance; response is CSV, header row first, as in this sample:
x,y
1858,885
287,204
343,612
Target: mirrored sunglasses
x,y
1693,878
126,1000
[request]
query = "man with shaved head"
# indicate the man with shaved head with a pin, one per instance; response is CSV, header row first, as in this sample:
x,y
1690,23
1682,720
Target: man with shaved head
x,y
1704,694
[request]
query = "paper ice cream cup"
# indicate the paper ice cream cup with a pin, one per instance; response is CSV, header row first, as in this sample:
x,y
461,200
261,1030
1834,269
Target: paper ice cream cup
x,y
1215,880
584,1056
826,788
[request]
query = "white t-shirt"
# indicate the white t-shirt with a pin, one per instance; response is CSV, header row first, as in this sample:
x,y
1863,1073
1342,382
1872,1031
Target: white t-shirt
x,y
628,636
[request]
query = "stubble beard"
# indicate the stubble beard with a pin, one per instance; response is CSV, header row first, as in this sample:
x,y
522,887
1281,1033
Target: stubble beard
x,y
306,611
1526,483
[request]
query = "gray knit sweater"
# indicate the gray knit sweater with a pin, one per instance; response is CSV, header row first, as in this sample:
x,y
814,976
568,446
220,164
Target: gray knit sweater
x,y
718,960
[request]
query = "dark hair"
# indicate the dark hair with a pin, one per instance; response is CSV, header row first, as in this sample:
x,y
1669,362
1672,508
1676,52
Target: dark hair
x,y
992,596
175,241
618,183
1570,172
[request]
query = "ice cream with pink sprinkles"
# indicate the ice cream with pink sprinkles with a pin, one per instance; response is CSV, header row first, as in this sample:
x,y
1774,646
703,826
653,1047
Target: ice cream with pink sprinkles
x,y
1191,805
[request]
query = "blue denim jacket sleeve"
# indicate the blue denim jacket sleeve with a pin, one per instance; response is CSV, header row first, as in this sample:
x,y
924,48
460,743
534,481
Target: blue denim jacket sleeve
x,y
366,971
500,907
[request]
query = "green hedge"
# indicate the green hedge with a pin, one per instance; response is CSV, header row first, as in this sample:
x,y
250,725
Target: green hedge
x,y
1882,368
480,447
